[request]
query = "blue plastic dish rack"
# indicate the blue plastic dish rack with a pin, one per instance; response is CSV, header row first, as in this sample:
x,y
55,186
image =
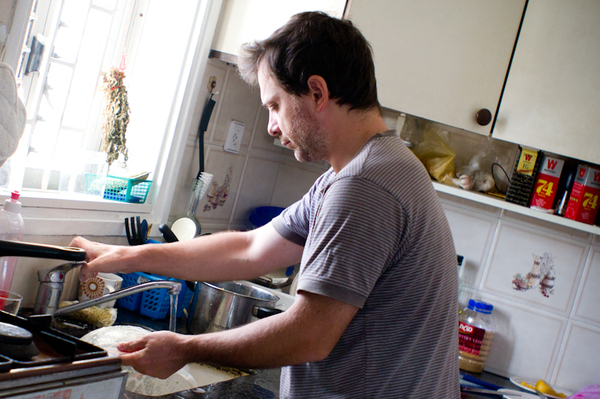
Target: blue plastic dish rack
x,y
153,303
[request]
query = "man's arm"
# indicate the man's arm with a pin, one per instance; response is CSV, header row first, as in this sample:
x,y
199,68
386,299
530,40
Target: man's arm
x,y
216,257
308,331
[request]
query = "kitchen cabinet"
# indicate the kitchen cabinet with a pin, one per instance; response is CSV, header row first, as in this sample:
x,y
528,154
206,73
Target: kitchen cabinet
x,y
243,21
552,95
440,60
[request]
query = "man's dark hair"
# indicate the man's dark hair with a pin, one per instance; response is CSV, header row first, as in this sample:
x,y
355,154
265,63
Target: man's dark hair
x,y
313,43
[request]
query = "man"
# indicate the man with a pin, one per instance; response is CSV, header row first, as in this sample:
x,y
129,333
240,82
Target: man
x,y
375,313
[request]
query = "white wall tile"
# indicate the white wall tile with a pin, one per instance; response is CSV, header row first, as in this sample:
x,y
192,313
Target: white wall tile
x,y
259,181
587,307
473,232
513,253
293,182
578,364
240,102
526,342
221,164
261,139
219,70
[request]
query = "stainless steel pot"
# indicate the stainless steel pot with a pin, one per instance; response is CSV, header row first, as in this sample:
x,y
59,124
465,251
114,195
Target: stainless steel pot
x,y
222,306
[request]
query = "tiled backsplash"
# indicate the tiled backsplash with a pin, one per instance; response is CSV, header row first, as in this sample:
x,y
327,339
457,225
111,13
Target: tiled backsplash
x,y
552,333
261,174
548,329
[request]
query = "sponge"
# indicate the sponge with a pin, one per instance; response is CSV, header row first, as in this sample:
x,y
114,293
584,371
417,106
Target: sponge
x,y
99,317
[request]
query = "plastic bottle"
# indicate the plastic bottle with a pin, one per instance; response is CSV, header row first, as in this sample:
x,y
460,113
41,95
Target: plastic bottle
x,y
462,293
11,228
476,328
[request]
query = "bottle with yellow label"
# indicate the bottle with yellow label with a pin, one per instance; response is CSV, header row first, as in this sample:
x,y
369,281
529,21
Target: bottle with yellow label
x,y
476,328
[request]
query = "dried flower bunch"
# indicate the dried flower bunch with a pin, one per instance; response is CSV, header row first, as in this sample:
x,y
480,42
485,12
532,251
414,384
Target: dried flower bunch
x,y
116,115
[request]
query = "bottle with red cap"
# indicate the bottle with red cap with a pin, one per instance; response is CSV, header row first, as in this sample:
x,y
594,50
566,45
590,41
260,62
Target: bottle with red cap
x,y
11,228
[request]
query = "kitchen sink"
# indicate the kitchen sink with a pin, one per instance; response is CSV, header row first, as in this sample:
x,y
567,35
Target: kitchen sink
x,y
192,377
139,386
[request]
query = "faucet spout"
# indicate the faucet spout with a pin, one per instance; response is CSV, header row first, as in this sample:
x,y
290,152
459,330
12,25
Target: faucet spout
x,y
174,288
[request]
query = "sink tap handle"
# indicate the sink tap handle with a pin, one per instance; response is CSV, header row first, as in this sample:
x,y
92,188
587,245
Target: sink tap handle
x,y
51,287
56,274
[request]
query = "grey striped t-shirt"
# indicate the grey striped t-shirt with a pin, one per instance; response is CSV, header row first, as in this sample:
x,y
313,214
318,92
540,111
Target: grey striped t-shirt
x,y
375,236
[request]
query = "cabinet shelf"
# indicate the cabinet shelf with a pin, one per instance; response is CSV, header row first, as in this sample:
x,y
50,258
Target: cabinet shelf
x,y
498,203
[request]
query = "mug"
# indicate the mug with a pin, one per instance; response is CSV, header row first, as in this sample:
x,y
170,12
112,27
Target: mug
x,y
95,287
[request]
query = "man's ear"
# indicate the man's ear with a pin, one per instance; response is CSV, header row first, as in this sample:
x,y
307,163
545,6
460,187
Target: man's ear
x,y
318,91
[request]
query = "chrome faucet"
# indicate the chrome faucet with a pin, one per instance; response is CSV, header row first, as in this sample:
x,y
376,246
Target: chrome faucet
x,y
52,282
51,286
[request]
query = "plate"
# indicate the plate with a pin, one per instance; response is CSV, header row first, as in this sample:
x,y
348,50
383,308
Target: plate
x,y
510,394
517,381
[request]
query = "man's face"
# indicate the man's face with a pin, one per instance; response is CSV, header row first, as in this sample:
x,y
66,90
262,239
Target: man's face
x,y
291,120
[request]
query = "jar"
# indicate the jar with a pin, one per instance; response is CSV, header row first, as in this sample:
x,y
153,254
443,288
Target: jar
x,y
476,328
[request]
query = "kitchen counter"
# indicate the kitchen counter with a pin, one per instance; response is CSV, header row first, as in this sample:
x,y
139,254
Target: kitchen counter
x,y
489,378
260,384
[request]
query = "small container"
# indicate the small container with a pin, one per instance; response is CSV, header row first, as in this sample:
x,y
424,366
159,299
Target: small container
x,y
11,228
476,328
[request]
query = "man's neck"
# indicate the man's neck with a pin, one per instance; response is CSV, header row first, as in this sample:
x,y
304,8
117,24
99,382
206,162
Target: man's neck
x,y
350,131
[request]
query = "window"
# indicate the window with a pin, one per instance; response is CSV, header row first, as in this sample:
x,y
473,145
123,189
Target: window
x,y
68,47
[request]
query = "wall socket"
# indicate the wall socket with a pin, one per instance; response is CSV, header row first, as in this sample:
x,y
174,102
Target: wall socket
x,y
234,137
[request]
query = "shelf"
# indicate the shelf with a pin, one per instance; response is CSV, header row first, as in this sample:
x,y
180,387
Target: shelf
x,y
498,203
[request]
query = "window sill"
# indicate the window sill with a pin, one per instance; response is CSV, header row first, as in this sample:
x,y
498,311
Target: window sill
x,y
48,214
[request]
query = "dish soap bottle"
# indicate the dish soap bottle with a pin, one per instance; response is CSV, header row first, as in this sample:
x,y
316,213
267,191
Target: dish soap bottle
x,y
476,328
11,228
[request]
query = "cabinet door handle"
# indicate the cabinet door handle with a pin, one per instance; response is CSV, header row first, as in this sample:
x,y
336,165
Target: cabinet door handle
x,y
483,116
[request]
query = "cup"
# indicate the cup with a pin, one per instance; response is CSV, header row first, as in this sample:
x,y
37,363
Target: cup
x,y
10,302
95,287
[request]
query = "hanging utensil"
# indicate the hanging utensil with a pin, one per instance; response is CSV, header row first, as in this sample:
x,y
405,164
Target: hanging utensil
x,y
189,225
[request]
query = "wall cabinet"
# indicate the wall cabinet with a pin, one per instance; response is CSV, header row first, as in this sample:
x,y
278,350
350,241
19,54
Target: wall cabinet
x,y
243,21
440,60
552,95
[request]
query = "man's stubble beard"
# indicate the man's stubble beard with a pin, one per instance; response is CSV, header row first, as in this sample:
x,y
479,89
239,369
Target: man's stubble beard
x,y
308,137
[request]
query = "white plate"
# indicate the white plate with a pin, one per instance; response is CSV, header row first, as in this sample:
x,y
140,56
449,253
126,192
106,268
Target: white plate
x,y
512,394
517,381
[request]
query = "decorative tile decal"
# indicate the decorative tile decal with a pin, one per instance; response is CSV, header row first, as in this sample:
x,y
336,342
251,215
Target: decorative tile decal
x,y
535,266
217,194
540,277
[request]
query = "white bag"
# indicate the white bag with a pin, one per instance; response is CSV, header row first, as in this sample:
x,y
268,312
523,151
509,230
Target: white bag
x,y
12,113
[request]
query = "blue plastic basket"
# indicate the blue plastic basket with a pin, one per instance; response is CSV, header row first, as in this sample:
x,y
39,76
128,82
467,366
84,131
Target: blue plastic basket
x,y
118,188
153,303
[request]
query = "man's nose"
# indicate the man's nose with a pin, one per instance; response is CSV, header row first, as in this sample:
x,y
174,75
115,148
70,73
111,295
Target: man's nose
x,y
273,127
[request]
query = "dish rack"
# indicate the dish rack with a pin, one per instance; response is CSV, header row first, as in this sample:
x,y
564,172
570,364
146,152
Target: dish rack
x,y
118,188
153,303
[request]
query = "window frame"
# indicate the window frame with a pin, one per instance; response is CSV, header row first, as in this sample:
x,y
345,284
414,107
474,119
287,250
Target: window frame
x,y
55,214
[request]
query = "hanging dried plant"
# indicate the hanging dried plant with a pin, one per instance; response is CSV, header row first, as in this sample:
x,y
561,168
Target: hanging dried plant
x,y
116,115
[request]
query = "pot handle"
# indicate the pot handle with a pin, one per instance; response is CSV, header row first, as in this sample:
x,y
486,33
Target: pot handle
x,y
261,313
26,249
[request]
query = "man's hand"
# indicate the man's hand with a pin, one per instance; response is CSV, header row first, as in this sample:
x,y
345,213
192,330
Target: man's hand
x,y
99,257
159,354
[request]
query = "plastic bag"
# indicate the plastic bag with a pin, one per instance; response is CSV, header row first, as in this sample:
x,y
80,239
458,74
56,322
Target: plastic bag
x,y
436,155
589,392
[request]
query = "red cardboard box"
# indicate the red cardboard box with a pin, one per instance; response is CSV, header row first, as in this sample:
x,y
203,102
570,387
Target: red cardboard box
x,y
583,202
546,183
